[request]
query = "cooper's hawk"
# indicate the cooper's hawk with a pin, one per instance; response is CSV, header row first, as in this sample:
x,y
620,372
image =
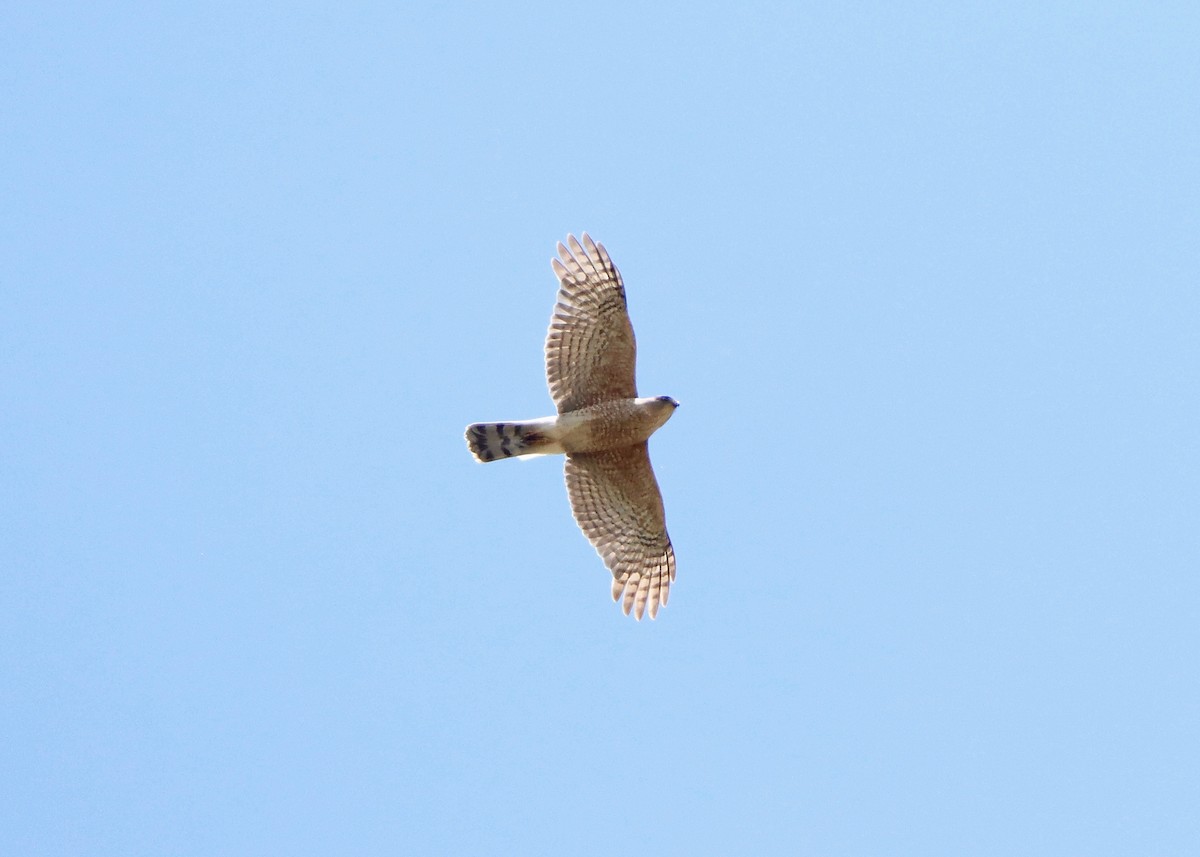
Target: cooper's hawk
x,y
602,426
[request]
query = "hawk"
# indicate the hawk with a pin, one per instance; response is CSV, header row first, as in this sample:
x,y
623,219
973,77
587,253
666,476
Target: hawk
x,y
602,428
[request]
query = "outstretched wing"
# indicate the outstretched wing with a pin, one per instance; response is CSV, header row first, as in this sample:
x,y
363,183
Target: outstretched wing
x,y
617,504
590,350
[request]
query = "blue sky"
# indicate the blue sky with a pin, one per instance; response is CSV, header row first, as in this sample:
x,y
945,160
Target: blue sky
x,y
923,276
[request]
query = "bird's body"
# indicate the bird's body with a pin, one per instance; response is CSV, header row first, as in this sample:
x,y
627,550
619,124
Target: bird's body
x,y
602,427
613,424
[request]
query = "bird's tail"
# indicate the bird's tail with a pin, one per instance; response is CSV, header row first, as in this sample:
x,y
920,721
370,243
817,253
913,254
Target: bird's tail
x,y
492,441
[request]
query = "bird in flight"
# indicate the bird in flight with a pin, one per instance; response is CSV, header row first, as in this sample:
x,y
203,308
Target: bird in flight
x,y
602,427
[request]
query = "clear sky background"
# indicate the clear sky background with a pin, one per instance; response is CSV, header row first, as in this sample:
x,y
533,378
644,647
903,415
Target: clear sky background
x,y
925,278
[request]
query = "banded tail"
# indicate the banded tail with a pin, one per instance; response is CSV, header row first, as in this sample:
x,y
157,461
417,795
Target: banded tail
x,y
492,441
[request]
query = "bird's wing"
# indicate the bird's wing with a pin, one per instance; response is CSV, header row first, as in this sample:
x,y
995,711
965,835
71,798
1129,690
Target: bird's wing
x,y
590,350
617,504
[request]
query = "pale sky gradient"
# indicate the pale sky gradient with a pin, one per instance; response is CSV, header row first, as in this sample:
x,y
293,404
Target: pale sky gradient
x,y
924,277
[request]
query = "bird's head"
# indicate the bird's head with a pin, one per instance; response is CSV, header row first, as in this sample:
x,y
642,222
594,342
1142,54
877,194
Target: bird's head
x,y
662,407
